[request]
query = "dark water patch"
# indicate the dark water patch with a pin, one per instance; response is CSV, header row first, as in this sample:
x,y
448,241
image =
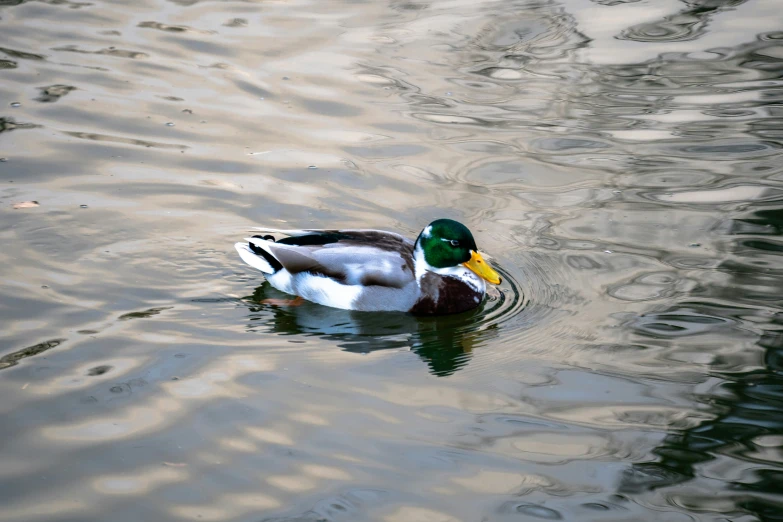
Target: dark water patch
x,y
218,65
144,314
22,55
165,27
12,359
236,22
409,6
9,124
768,246
53,93
99,370
759,222
109,51
125,141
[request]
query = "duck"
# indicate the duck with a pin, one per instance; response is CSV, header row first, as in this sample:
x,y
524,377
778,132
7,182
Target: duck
x,y
441,272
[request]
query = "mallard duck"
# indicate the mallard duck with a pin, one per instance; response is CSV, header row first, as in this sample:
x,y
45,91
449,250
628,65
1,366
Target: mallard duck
x,y
441,272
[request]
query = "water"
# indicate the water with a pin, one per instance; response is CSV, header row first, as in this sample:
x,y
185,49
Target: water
x,y
620,160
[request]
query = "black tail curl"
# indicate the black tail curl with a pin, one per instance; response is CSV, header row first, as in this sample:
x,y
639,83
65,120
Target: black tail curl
x,y
274,263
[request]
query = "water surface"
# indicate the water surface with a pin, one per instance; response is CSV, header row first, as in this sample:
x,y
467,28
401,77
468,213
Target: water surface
x,y
620,160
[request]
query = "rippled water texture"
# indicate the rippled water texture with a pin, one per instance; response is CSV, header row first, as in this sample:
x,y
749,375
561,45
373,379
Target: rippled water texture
x,y
621,160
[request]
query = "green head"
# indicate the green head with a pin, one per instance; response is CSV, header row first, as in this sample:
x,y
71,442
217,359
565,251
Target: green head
x,y
447,243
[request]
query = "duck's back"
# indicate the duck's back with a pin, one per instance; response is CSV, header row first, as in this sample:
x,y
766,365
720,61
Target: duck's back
x,y
351,257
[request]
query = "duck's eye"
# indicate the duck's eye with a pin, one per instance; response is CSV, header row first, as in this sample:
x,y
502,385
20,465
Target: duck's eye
x,y
454,243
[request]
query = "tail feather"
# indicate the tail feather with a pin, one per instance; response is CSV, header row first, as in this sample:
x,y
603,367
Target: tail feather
x,y
258,258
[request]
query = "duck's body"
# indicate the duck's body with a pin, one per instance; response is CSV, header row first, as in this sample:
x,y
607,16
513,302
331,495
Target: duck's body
x,y
373,270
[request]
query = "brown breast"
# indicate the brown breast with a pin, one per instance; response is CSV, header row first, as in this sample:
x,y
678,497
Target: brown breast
x,y
445,295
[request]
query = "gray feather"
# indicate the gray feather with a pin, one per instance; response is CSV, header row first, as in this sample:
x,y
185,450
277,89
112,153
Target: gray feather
x,y
366,257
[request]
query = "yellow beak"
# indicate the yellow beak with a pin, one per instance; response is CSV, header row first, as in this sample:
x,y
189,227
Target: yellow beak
x,y
481,268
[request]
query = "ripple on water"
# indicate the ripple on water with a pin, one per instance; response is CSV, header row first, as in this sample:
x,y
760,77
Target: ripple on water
x,y
531,510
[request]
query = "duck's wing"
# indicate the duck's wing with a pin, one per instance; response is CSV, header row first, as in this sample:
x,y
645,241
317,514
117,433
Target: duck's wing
x,y
354,257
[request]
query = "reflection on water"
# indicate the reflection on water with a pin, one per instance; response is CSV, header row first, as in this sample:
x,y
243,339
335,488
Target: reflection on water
x,y
619,159
444,343
747,427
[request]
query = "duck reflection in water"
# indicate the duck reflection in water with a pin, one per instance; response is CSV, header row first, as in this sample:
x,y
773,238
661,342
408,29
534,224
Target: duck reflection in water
x,y
444,343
